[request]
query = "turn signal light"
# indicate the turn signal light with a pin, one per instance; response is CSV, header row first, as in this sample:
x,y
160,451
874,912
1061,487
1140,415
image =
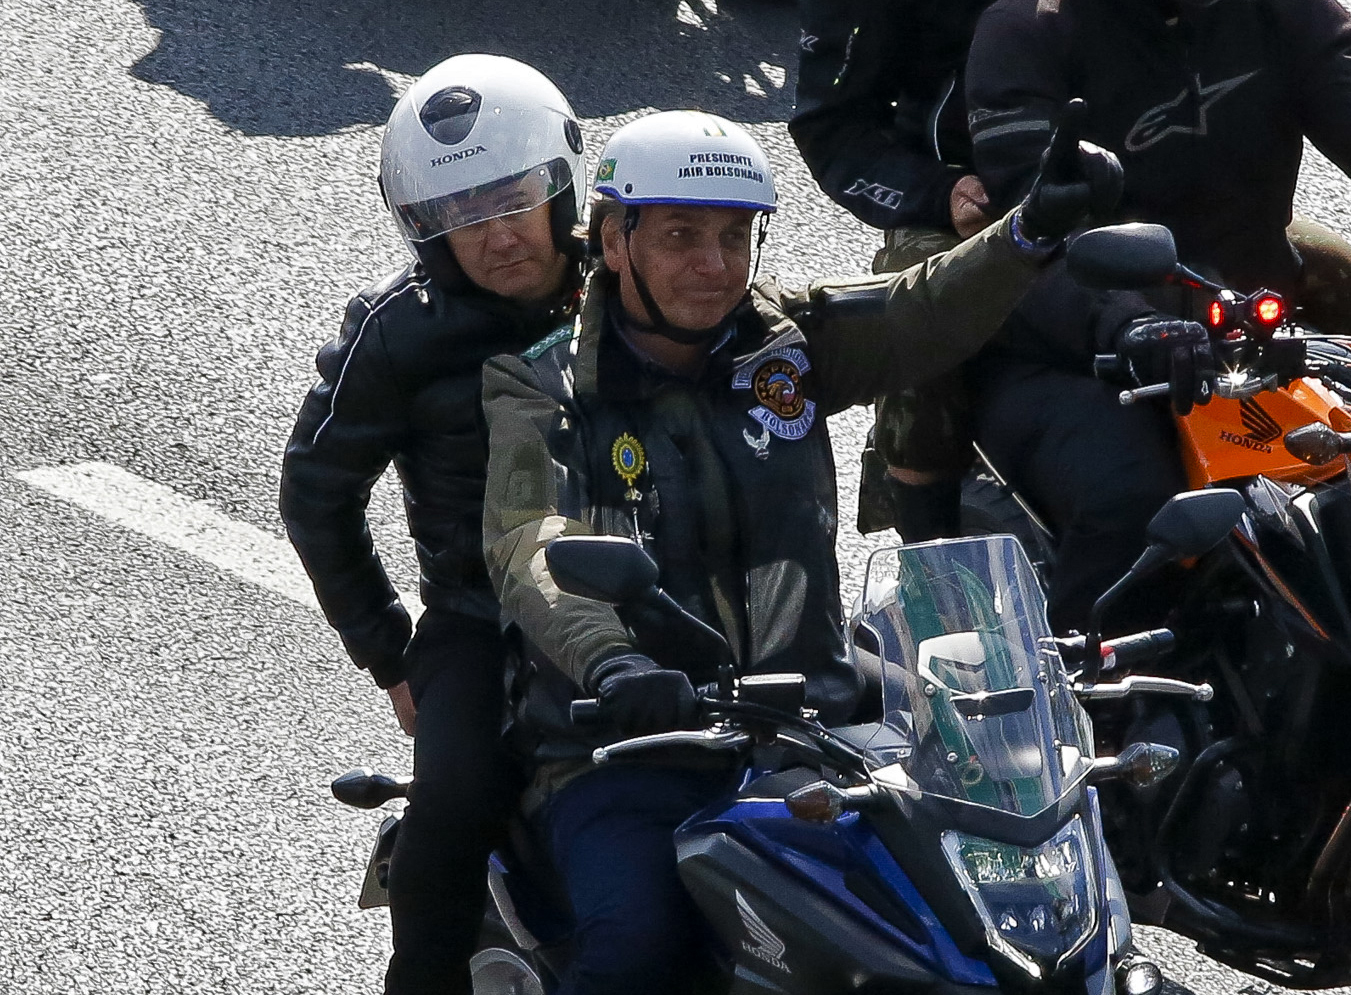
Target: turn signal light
x,y
1216,314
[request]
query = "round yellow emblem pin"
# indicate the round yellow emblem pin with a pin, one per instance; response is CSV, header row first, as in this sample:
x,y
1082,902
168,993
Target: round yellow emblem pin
x,y
629,461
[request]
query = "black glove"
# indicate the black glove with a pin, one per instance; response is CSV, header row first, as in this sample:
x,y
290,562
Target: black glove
x,y
1170,350
1076,179
641,697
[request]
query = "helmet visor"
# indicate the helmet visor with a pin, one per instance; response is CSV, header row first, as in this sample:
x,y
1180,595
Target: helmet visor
x,y
525,191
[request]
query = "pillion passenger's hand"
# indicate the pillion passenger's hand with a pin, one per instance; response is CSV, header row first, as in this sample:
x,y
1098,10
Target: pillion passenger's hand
x,y
1077,179
640,697
1170,350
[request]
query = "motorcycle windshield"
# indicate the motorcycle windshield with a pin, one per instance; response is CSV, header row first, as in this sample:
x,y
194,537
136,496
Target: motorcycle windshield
x,y
977,703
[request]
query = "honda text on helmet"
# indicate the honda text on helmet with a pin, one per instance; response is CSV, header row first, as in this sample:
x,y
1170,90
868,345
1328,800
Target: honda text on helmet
x,y
683,159
479,137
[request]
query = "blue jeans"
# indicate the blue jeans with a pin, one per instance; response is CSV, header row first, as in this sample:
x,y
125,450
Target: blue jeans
x,y
637,930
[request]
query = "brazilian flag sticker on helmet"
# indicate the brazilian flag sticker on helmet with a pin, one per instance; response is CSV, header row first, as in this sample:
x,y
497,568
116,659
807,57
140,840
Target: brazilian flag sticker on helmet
x,y
606,171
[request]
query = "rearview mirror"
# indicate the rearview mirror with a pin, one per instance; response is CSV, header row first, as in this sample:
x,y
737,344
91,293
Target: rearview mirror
x,y
602,568
1122,257
1188,525
1195,522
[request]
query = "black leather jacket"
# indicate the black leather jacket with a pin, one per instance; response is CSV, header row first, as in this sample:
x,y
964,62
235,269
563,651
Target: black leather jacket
x,y
400,384
881,113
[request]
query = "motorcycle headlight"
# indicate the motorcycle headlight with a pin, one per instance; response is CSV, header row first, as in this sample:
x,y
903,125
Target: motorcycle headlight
x,y
1040,904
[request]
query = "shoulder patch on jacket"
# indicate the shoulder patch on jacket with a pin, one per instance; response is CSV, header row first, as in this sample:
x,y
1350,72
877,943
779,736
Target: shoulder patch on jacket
x,y
548,342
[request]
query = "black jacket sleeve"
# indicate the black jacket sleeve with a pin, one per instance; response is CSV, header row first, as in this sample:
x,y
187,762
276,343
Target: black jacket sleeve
x,y
1016,84
349,428
871,157
1317,37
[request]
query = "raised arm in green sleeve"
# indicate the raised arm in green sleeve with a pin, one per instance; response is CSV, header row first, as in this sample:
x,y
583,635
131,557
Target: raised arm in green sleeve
x,y
872,337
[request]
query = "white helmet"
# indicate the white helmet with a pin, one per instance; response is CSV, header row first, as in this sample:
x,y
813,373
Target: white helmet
x,y
686,157
479,137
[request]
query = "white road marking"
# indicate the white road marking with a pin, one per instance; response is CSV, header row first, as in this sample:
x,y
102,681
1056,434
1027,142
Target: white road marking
x,y
182,523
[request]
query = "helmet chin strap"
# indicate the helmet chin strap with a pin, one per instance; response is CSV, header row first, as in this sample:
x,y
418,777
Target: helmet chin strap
x,y
660,324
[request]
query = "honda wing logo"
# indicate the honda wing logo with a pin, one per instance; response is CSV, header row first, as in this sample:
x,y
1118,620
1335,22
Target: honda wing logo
x,y
1262,428
766,946
1260,425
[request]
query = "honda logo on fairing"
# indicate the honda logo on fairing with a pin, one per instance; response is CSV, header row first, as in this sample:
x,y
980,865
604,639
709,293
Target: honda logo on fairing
x,y
1260,425
457,156
767,946
1262,428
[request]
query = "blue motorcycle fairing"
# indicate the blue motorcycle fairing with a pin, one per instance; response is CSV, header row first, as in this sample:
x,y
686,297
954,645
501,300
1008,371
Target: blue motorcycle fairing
x,y
822,856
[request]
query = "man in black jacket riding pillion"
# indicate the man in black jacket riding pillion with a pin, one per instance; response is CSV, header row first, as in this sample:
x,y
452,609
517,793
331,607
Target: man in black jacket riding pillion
x,y
881,123
480,166
1207,103
686,409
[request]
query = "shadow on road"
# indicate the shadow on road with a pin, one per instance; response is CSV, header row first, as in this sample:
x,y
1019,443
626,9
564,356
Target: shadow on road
x,y
307,67
1171,987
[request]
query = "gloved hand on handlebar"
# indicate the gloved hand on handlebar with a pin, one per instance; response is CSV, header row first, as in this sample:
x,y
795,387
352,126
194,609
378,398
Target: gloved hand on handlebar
x,y
1172,351
641,697
1076,179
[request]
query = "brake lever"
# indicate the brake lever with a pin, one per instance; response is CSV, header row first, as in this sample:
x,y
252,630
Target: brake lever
x,y
708,739
1144,393
1141,684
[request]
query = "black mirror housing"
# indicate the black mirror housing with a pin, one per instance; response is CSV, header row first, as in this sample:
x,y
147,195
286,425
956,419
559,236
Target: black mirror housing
x,y
1195,522
1123,257
603,568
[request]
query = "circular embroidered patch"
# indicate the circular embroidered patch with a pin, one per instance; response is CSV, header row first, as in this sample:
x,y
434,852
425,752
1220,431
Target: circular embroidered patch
x,y
777,386
628,458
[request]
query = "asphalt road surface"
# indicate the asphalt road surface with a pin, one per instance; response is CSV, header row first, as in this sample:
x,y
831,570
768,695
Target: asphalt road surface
x,y
186,202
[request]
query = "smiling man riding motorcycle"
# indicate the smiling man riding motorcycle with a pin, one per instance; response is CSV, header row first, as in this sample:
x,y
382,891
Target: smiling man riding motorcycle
x,y
685,409
479,166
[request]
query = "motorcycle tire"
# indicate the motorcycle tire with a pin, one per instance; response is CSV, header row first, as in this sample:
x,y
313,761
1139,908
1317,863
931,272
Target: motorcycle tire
x,y
499,966
989,508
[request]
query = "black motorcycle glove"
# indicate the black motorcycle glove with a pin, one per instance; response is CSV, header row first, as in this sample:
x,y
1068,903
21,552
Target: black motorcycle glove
x,y
1076,179
641,697
1170,350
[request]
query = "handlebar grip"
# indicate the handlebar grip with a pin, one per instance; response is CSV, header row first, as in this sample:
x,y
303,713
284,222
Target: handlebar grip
x,y
584,711
1140,647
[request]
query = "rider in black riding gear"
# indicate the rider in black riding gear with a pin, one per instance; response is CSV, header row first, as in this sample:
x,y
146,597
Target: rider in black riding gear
x,y
1208,105
496,267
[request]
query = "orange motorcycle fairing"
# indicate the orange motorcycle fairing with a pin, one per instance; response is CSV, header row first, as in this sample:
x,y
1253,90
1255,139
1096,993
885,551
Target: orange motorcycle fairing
x,y
1227,439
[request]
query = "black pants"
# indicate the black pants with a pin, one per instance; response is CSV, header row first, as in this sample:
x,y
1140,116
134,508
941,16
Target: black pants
x,y
1097,470
463,787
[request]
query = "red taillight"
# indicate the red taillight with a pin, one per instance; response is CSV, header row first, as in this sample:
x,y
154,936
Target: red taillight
x,y
1216,314
1268,309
